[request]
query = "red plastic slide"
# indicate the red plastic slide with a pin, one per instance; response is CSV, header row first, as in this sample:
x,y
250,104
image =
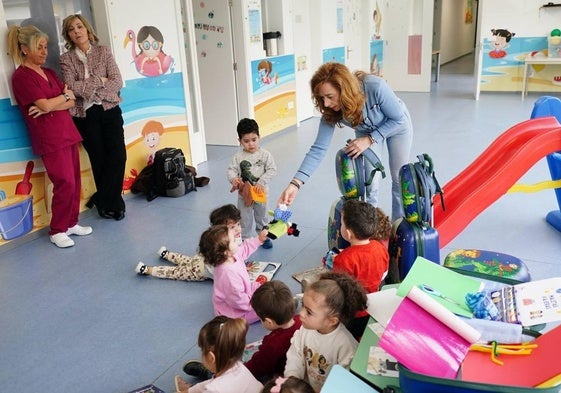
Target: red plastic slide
x,y
492,174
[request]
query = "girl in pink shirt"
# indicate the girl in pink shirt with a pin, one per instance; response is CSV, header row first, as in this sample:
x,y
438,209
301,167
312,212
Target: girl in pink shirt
x,y
232,288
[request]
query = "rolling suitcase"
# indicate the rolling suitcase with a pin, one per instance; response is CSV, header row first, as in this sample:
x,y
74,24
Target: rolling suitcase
x,y
408,241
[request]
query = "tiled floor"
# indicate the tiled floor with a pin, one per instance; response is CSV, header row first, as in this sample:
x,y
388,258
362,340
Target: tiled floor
x,y
81,320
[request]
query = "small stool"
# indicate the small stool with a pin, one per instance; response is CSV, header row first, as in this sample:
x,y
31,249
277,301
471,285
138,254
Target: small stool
x,y
481,263
437,72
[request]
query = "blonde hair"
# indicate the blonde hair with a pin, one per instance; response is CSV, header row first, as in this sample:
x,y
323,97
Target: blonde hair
x,y
23,35
92,37
351,96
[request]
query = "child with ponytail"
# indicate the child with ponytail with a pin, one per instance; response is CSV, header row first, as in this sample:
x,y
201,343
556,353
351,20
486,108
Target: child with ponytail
x,y
222,342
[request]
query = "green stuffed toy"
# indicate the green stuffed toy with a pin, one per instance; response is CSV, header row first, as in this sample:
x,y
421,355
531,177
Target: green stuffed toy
x,y
280,225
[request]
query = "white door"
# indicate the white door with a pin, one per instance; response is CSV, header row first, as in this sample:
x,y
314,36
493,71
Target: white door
x,y
356,28
305,67
408,44
215,57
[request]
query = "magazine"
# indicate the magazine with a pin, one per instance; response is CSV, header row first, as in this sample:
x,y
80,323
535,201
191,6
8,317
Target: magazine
x,y
262,271
310,274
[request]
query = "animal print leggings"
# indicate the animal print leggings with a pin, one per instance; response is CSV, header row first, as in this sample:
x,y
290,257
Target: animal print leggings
x,y
187,269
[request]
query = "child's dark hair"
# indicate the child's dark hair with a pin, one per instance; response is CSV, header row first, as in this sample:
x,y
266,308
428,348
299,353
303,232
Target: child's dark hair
x,y
274,300
247,126
221,215
215,244
344,295
360,217
383,226
225,337
288,385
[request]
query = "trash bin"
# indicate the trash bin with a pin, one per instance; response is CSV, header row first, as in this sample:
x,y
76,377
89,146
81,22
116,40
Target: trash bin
x,y
270,40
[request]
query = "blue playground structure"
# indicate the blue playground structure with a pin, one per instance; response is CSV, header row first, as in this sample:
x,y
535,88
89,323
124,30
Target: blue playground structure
x,y
551,106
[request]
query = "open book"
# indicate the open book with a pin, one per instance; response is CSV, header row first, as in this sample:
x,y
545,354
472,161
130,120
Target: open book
x,y
426,337
530,303
310,274
262,271
148,389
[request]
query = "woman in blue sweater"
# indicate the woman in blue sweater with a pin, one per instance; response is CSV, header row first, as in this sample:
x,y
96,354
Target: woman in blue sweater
x,y
367,104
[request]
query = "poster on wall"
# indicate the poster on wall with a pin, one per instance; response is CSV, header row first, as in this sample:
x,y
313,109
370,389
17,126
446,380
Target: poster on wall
x,y
334,54
503,59
274,92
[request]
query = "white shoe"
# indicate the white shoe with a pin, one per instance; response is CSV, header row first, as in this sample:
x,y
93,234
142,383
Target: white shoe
x,y
162,252
141,268
79,230
61,240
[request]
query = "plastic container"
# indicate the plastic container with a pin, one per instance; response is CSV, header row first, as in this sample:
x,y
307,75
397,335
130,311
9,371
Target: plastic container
x,y
270,40
16,216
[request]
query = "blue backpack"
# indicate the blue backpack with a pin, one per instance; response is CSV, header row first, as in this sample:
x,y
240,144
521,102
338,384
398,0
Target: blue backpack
x,y
352,178
418,186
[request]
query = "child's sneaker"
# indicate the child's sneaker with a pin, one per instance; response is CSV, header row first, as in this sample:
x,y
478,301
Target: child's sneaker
x,y
196,369
141,268
162,252
267,244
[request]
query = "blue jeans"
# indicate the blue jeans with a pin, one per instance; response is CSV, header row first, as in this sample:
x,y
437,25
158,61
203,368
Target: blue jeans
x,y
399,148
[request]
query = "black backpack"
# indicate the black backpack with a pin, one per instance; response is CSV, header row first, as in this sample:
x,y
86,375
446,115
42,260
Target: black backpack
x,y
171,178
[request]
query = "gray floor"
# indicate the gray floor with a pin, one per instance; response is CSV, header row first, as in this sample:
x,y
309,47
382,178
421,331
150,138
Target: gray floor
x,y
81,320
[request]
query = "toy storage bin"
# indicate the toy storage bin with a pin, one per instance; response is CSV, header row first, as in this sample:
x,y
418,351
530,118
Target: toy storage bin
x,y
16,216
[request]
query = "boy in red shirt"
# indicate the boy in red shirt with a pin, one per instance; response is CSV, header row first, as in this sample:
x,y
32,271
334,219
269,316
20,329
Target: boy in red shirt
x,y
367,229
274,303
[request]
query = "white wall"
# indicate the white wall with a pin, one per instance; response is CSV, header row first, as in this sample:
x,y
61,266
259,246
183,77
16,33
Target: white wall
x,y
456,37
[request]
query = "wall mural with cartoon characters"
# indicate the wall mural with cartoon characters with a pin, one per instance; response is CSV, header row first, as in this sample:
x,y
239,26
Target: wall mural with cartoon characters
x,y
274,93
502,65
376,43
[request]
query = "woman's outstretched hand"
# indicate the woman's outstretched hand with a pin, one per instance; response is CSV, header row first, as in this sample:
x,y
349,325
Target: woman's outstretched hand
x,y
288,195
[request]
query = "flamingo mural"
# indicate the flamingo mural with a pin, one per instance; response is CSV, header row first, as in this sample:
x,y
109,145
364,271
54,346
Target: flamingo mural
x,y
152,60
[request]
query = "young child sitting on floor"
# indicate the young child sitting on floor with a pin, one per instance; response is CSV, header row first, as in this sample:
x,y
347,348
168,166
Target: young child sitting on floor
x,y
222,342
193,268
274,304
365,259
232,288
323,340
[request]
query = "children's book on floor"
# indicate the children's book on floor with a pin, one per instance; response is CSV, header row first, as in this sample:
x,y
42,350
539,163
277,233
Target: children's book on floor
x,y
148,389
310,274
261,270
250,349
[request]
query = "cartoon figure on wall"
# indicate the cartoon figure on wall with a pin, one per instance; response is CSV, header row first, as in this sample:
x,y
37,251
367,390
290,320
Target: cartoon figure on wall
x,y
377,19
501,39
265,70
151,61
152,132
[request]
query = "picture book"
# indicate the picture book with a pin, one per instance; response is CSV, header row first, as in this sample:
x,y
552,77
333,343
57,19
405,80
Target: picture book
x,y
447,287
530,303
518,370
148,389
426,337
250,349
381,363
262,271
310,274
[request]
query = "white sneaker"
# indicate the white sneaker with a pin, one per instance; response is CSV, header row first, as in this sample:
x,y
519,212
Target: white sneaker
x,y
79,230
141,268
61,240
162,252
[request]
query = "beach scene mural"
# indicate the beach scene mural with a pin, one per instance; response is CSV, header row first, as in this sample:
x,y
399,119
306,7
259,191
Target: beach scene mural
x,y
502,64
274,93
